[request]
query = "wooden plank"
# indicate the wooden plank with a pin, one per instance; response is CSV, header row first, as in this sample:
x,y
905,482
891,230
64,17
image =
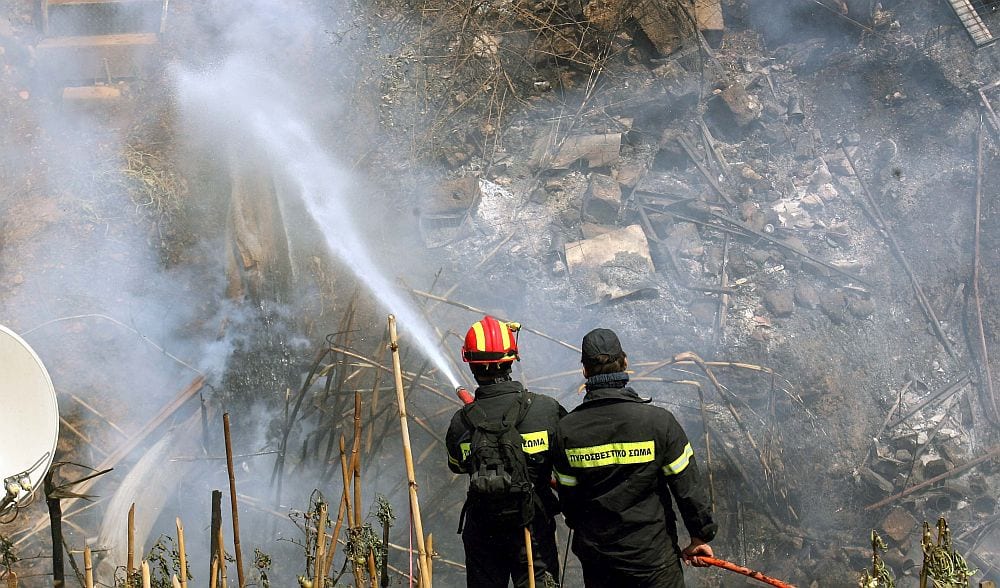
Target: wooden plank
x,y
102,57
90,93
972,22
98,41
708,14
73,2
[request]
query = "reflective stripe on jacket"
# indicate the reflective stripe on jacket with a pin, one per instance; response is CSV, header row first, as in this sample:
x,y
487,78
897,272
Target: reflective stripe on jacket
x,y
537,429
618,460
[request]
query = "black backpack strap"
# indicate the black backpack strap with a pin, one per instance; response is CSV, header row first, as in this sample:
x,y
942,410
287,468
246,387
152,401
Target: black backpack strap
x,y
474,416
461,517
526,398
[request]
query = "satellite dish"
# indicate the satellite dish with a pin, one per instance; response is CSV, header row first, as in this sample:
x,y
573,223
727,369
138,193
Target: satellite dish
x,y
29,421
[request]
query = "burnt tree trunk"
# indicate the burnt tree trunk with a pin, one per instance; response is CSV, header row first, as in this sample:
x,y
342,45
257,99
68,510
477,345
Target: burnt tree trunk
x,y
55,524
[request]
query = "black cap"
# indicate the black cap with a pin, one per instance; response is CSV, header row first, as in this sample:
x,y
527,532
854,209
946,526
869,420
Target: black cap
x,y
600,342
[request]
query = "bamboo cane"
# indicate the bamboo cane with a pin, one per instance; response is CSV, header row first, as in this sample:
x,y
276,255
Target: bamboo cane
x,y
145,574
222,562
213,573
356,459
215,543
181,553
222,559
384,580
11,579
332,548
130,559
418,525
174,582
986,380
318,566
343,512
430,557
531,558
708,441
569,346
372,570
88,568
232,500
345,474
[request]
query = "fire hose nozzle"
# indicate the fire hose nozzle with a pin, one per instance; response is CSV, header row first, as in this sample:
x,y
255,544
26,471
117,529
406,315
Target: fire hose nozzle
x,y
464,395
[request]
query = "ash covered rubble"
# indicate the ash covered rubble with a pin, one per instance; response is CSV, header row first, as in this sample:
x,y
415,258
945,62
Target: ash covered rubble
x,y
801,200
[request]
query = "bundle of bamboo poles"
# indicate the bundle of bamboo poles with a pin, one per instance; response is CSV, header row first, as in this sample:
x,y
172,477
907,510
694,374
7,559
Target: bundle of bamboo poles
x,y
350,517
350,507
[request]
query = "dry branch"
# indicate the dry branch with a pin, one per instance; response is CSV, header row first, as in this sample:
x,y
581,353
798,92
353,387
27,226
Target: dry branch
x,y
874,212
986,381
991,454
481,311
233,502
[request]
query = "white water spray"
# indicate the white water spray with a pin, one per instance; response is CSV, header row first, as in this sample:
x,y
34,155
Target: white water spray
x,y
253,106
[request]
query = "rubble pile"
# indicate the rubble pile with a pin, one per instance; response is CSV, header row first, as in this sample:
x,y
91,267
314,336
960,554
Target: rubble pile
x,y
719,187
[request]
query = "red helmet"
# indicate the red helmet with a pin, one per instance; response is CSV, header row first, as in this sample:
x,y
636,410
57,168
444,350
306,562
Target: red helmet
x,y
490,341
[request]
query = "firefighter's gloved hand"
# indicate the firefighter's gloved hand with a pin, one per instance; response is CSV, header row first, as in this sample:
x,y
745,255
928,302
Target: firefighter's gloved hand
x,y
696,548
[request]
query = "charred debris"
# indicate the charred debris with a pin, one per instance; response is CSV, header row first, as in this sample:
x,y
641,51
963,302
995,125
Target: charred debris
x,y
800,189
772,176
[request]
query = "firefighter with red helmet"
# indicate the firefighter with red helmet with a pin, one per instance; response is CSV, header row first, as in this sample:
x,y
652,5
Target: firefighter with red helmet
x,y
621,463
496,553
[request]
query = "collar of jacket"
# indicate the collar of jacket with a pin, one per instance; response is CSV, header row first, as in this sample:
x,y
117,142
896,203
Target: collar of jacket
x,y
613,380
627,394
499,389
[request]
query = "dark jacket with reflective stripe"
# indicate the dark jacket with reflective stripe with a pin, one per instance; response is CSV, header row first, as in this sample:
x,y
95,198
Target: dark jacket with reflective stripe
x,y
537,429
618,460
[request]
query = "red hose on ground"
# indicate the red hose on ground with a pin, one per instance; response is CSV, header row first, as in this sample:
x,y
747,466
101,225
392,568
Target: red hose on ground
x,y
745,571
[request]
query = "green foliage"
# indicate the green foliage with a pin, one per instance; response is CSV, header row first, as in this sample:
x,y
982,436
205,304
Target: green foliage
x,y
262,561
7,556
879,576
164,560
359,541
941,562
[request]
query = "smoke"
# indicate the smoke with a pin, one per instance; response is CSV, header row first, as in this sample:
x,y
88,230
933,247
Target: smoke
x,y
249,96
246,105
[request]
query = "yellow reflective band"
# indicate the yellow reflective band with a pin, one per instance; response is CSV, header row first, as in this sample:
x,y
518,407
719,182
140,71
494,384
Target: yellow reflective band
x,y
535,442
452,460
677,466
564,480
466,450
505,336
480,336
612,454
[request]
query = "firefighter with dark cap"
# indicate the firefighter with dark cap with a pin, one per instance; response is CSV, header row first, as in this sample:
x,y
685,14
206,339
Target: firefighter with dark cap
x,y
620,462
496,546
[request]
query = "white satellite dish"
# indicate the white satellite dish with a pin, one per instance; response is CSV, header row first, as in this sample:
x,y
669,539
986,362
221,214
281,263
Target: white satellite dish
x,y
29,421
